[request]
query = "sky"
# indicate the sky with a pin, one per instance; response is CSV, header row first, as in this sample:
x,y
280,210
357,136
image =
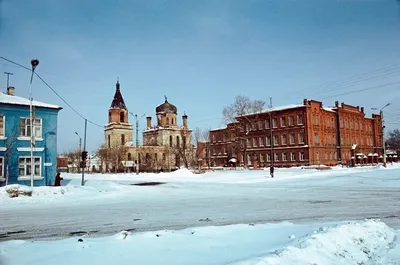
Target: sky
x,y
201,54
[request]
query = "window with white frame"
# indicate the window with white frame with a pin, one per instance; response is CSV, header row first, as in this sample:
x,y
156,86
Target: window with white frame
x,y
25,127
301,138
268,157
276,157
291,138
268,141
283,122
213,139
2,127
283,139
316,121
254,126
261,158
276,140
267,124
248,143
261,141
254,142
1,167
301,156
248,159
274,123
284,157
260,125
299,120
292,156
316,138
24,165
291,120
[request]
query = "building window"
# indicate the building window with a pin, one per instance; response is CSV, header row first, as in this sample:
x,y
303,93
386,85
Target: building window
x,y
268,158
224,150
122,139
248,159
283,122
261,140
213,138
177,141
317,156
267,125
291,138
301,156
276,140
2,128
1,167
25,128
261,158
291,121
292,156
170,140
254,126
224,138
109,141
268,140
167,120
276,157
121,117
301,138
274,123
254,142
316,138
248,143
129,157
284,157
283,139
24,166
316,122
260,125
299,120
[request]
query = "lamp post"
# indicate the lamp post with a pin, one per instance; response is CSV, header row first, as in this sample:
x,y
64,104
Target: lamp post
x,y
34,63
383,132
80,150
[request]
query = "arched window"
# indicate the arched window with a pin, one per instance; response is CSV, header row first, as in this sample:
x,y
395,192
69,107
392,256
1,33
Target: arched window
x,y
167,120
121,116
163,157
129,157
177,141
170,140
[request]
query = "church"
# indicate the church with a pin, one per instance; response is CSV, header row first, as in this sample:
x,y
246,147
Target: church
x,y
166,145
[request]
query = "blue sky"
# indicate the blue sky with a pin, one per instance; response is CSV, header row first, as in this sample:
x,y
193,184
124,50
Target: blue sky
x,y
201,54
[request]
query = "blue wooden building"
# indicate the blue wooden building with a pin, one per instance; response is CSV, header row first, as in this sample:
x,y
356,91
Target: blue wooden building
x,y
15,161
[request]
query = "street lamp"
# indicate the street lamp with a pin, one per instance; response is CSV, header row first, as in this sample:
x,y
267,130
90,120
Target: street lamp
x,y
34,63
383,132
80,148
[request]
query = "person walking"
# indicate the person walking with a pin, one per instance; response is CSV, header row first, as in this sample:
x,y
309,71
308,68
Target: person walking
x,y
57,182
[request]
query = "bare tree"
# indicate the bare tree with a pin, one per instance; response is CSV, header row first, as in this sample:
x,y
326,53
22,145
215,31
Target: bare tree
x,y
73,156
242,105
200,135
393,140
112,157
184,150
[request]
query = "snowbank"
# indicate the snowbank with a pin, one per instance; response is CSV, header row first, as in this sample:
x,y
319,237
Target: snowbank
x,y
366,242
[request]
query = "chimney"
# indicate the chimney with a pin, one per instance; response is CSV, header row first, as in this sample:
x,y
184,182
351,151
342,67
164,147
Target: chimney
x,y
11,90
148,122
305,102
336,103
362,109
184,120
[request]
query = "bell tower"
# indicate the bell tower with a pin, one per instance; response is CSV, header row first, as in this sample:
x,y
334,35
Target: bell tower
x,y
118,130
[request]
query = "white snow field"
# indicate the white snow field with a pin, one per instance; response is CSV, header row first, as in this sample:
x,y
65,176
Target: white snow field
x,y
364,242
285,212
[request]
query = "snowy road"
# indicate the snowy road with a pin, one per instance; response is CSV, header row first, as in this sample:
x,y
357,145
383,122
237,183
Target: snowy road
x,y
175,205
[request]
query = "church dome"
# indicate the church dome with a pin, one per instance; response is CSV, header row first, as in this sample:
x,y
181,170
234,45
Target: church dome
x,y
166,107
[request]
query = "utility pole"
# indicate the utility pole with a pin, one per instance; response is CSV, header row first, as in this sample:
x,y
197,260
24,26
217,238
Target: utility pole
x,y
383,133
84,150
137,144
34,63
8,78
80,151
272,138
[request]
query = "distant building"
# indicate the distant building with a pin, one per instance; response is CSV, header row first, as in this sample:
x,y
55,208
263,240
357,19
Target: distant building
x,y
298,135
166,145
15,138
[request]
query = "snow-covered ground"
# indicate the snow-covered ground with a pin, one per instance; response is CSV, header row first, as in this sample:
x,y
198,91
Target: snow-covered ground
x,y
110,203
364,242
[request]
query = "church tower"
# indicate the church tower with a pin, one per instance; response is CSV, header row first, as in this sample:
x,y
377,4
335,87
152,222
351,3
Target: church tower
x,y
118,130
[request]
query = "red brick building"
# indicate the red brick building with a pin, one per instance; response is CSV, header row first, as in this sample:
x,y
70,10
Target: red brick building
x,y
304,134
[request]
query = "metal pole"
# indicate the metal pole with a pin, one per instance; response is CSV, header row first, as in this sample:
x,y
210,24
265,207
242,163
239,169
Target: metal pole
x,y
34,63
272,138
84,148
383,138
137,145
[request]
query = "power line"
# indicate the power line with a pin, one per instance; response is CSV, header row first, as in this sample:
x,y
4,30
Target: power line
x,y
53,90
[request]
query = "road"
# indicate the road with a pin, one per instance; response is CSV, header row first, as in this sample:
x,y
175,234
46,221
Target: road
x,y
347,197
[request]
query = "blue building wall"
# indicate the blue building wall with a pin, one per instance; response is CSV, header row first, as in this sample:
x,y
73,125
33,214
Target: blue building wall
x,y
48,143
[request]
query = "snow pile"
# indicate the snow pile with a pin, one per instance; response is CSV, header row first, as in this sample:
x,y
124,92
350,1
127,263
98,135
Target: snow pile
x,y
367,242
183,173
355,243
